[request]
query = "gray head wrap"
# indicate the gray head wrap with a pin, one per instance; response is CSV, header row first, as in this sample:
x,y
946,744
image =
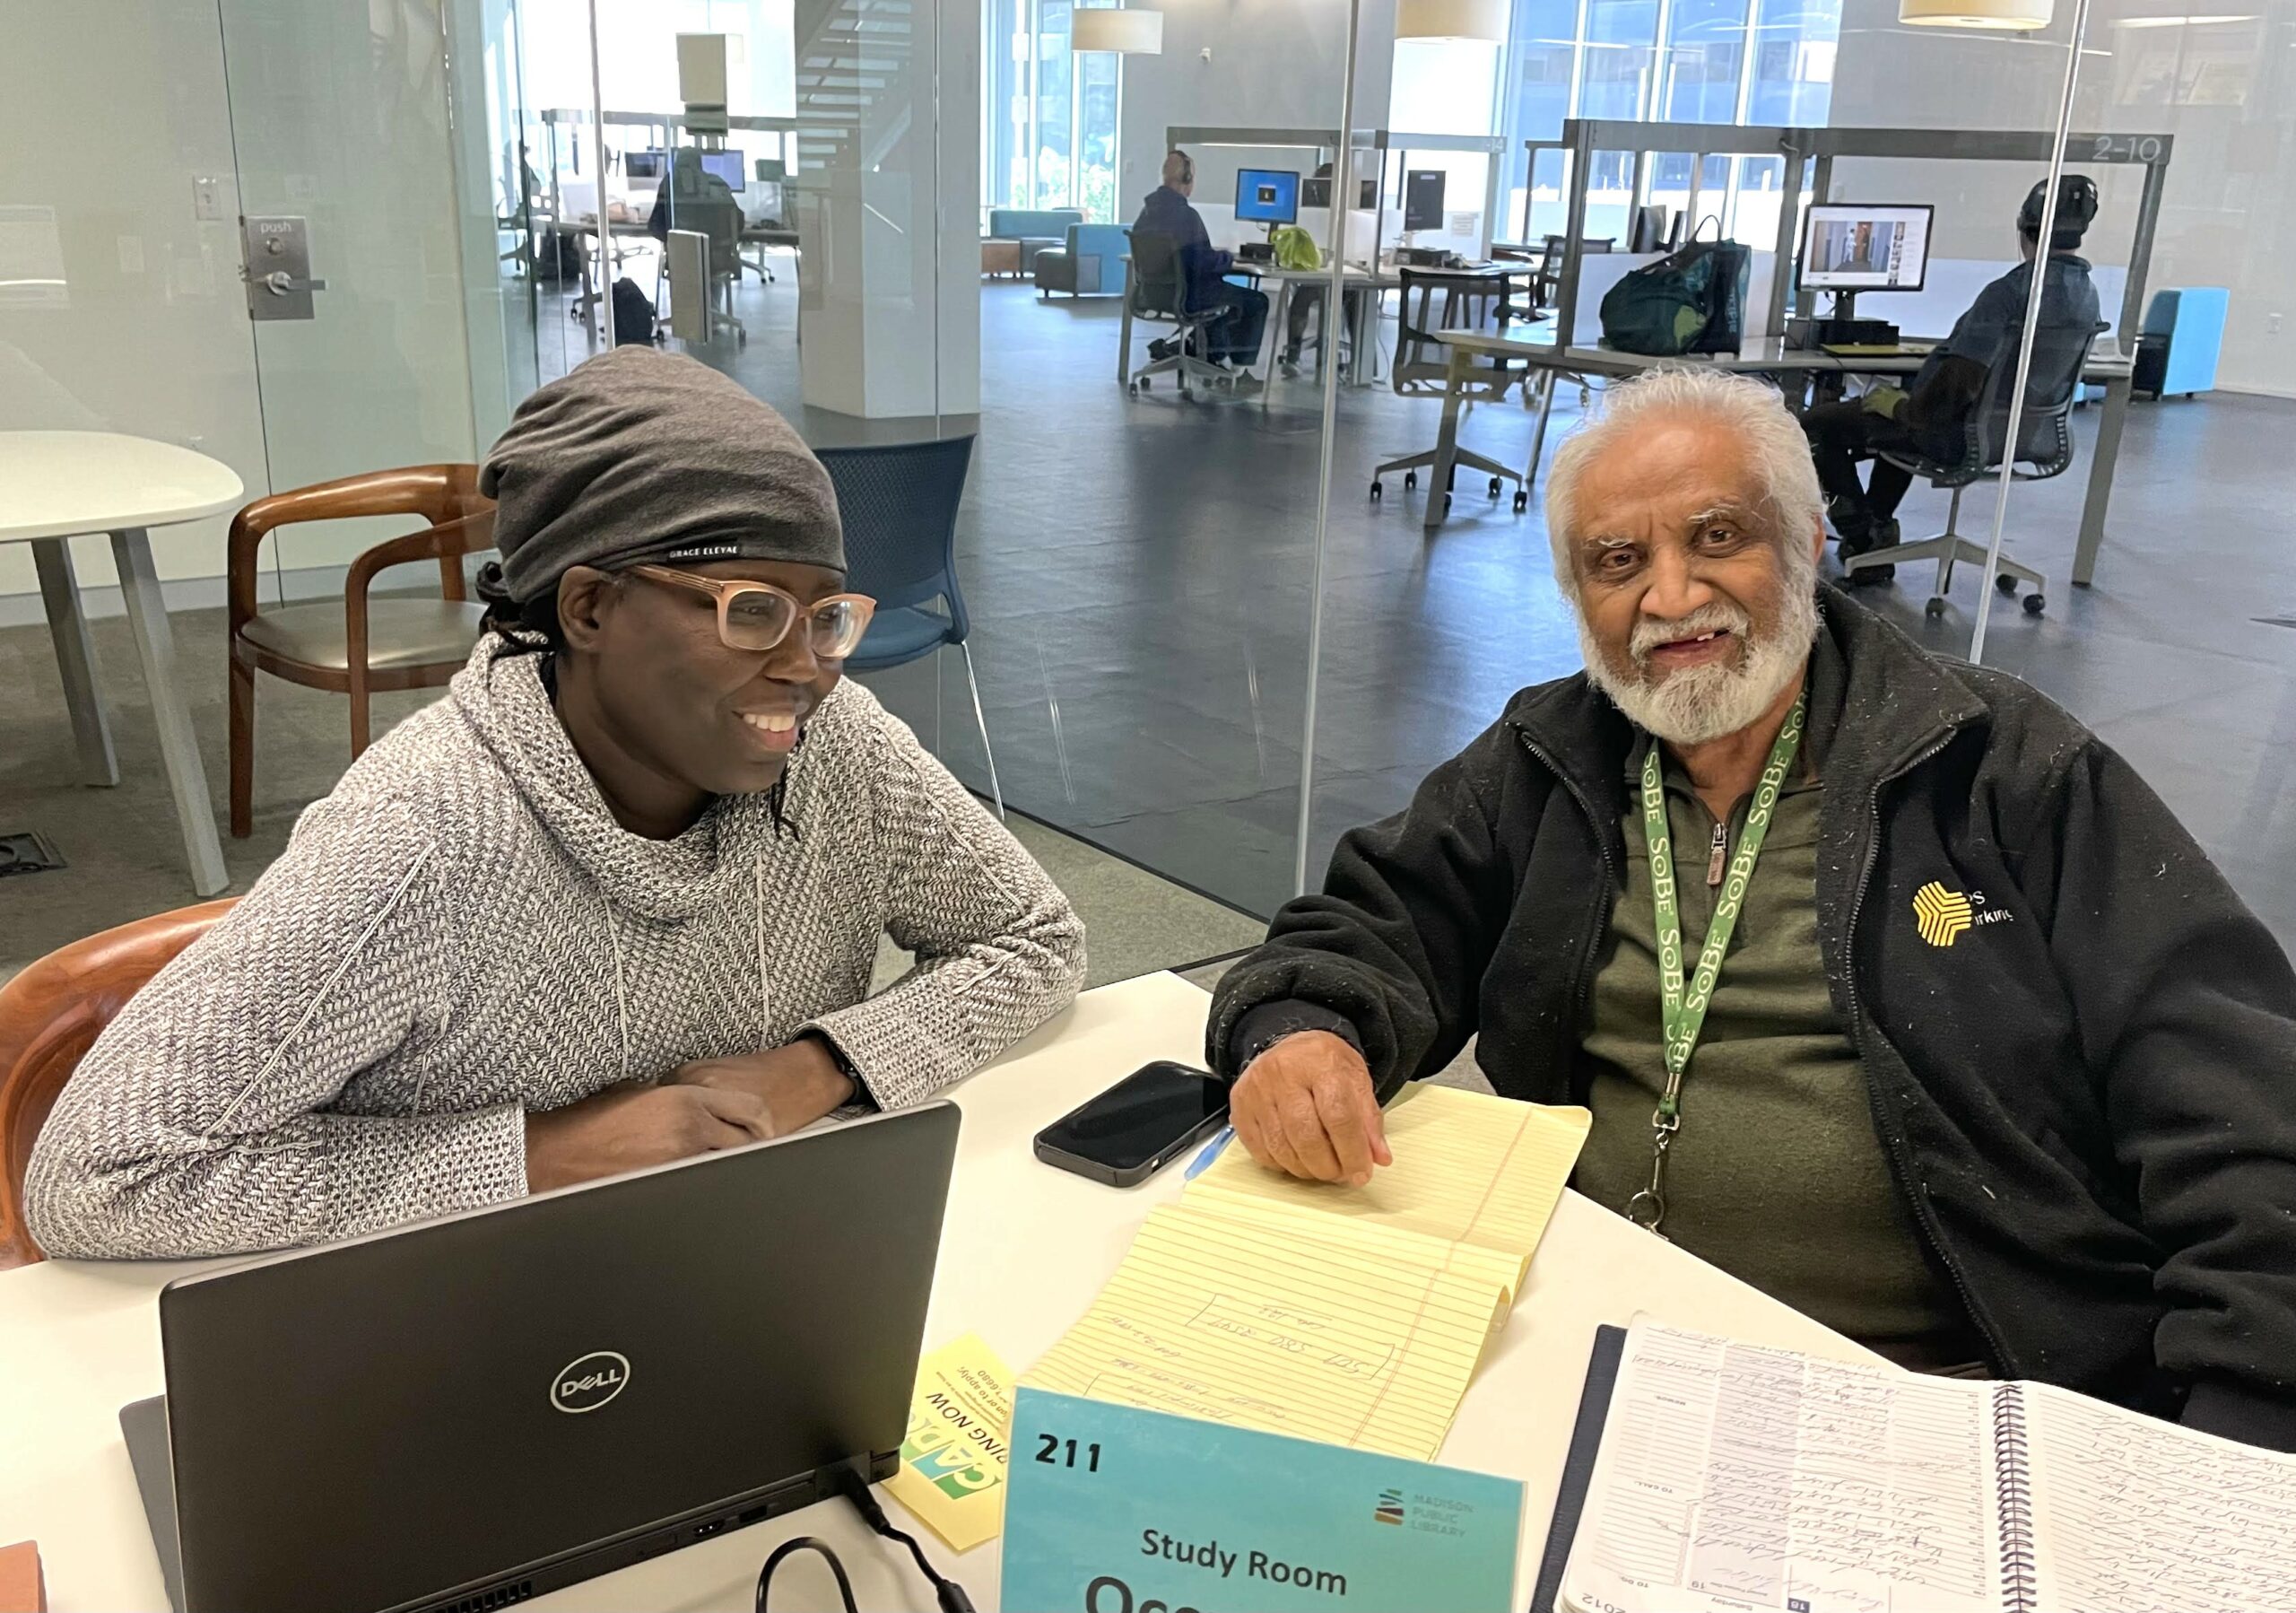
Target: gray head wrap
x,y
645,456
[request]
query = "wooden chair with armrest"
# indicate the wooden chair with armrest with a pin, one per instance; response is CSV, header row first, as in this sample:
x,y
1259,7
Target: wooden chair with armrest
x,y
50,1014
360,645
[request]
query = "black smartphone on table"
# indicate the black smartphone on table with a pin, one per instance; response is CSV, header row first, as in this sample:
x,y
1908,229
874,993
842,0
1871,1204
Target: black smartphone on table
x,y
1137,1126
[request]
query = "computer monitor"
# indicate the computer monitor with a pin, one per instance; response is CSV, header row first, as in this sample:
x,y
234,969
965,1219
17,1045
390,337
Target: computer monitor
x,y
1422,199
727,165
646,164
1316,193
1267,196
1849,247
771,171
1648,232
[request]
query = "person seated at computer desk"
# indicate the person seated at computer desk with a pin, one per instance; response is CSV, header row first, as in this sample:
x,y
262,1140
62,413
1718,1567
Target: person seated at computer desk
x,y
1307,302
1234,337
686,183
614,901
1926,419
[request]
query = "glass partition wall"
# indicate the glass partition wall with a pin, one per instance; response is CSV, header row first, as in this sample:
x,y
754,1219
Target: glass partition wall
x,y
1144,574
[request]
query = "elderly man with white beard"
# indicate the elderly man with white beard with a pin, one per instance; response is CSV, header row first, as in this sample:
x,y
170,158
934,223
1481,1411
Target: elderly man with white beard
x,y
1978,1058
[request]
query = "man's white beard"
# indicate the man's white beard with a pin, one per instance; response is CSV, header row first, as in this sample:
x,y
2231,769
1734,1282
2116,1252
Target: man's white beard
x,y
1700,703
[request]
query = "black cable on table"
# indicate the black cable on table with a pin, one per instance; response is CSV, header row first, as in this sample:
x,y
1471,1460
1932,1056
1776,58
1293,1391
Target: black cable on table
x,y
947,1591
805,1543
950,1595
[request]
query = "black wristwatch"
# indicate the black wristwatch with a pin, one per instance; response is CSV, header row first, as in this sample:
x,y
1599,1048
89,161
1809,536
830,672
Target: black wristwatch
x,y
845,1066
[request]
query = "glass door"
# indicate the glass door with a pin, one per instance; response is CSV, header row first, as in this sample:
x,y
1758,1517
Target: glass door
x,y
359,243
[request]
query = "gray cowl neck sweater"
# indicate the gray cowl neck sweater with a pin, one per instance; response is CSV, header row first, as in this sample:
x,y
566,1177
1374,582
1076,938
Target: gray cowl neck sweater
x,y
461,933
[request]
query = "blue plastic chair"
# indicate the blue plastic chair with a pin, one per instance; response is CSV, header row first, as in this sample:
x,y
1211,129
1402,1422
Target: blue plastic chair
x,y
899,504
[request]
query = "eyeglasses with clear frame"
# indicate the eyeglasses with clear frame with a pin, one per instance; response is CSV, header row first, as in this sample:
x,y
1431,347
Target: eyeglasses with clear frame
x,y
756,616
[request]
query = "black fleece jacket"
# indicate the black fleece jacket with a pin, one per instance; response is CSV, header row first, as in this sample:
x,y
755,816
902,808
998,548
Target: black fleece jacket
x,y
2087,1095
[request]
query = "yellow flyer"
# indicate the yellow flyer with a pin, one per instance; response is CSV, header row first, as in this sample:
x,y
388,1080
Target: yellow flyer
x,y
953,1459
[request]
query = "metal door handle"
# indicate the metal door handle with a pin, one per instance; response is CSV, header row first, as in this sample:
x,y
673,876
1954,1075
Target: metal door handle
x,y
282,284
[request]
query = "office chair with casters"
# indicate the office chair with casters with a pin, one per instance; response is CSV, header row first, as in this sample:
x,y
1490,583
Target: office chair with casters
x,y
2044,441
899,505
1433,301
1546,285
1156,289
357,645
50,1014
721,221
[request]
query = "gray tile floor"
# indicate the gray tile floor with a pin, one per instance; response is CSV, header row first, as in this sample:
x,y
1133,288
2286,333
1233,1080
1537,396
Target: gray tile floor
x,y
1140,573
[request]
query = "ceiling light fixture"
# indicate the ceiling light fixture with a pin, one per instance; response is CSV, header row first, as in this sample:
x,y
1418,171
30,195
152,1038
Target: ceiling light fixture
x,y
1483,19
1124,32
2021,16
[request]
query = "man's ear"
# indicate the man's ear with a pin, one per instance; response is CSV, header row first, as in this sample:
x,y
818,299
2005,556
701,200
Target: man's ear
x,y
587,597
1818,542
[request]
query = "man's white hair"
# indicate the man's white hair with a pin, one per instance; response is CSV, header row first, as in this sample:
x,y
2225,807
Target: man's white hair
x,y
1753,408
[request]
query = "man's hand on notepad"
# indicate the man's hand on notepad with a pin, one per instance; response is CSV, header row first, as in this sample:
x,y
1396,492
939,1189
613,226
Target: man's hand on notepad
x,y
1306,1106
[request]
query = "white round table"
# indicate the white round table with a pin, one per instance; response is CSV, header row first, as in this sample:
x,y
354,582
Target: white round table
x,y
57,484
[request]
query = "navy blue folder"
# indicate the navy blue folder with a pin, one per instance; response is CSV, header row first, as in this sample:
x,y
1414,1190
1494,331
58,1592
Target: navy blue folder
x,y
1578,1466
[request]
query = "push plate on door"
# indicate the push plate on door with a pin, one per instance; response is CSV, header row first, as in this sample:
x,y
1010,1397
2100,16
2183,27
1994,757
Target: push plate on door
x,y
278,268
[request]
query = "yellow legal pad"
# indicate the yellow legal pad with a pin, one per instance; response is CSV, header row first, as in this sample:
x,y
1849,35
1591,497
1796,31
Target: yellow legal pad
x,y
1355,1316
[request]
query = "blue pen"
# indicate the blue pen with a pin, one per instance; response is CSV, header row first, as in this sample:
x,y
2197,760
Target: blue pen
x,y
1211,1152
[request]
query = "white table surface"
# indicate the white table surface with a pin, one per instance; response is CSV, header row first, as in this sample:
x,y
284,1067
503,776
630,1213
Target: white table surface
x,y
1024,1248
62,483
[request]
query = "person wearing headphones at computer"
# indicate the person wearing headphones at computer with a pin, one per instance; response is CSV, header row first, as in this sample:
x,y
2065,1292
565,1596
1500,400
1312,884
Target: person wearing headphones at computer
x,y
614,901
1925,419
1234,337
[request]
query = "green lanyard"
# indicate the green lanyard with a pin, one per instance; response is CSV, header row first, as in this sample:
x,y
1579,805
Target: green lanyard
x,y
1686,1012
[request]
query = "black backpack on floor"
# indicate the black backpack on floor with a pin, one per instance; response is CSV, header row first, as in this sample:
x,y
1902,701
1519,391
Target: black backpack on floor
x,y
633,314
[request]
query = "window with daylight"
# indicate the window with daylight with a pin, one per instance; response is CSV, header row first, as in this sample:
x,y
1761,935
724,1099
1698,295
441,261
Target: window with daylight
x,y
1683,61
1048,116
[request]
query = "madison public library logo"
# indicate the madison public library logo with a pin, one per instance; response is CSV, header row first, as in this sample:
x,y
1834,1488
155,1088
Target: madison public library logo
x,y
1391,1508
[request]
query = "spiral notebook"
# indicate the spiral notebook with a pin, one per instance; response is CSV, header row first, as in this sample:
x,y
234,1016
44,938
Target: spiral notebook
x,y
1731,1476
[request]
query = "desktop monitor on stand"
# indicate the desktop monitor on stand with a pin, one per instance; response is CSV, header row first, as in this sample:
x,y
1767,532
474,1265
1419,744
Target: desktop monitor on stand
x,y
1852,246
728,166
1267,196
1316,193
1422,199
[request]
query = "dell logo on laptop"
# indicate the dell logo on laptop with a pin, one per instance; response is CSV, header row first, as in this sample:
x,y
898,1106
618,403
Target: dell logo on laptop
x,y
588,1382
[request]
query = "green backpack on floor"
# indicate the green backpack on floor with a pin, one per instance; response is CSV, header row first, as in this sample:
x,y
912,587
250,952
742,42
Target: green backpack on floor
x,y
1692,301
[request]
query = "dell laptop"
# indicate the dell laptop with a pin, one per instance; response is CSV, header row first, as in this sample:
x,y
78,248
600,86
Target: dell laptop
x,y
459,1414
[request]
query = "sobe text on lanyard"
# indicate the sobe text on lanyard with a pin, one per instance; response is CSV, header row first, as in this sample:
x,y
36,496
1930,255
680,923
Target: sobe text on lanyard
x,y
1685,1011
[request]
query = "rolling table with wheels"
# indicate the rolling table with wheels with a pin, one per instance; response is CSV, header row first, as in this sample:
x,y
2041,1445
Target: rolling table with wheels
x,y
1024,1250
1769,355
63,484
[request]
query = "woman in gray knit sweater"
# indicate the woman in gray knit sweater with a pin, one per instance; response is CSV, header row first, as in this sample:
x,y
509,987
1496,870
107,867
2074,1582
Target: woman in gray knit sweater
x,y
615,900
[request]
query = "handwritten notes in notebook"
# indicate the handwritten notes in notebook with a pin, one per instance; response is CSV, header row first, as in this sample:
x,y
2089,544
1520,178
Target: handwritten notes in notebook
x,y
2131,1514
1732,1475
1351,1316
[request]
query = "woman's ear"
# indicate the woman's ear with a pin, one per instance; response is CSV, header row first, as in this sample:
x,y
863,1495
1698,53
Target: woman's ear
x,y
586,598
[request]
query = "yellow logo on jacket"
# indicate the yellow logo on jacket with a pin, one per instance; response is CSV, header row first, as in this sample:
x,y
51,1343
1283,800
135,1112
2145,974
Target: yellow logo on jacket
x,y
1942,915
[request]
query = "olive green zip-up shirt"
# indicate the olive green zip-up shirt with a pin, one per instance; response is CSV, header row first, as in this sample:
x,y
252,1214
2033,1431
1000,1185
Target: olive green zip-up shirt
x,y
1777,1175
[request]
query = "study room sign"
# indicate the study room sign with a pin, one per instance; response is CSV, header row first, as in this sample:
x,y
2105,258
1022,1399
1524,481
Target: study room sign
x,y
1116,1510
